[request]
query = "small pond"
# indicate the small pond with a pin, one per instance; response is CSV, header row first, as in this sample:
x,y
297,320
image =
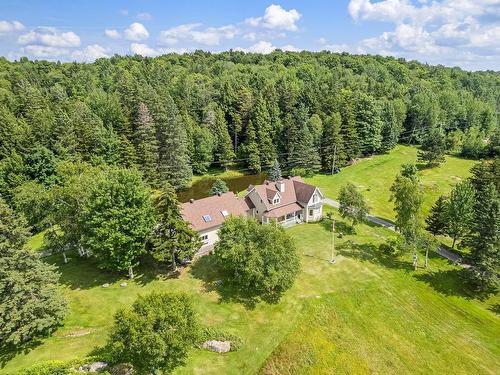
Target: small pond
x,y
201,188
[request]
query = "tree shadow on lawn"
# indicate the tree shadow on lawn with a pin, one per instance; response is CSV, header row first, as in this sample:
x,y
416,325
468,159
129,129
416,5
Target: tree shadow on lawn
x,y
454,282
6,354
451,282
341,227
205,269
84,273
374,254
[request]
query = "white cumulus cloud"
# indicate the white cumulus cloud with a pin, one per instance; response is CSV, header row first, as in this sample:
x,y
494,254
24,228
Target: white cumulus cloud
x,y
211,36
112,33
90,53
136,32
50,36
266,47
275,17
10,27
450,32
147,51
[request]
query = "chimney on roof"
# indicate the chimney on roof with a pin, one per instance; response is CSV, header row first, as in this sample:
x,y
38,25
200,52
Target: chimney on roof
x,y
191,200
289,177
219,193
280,185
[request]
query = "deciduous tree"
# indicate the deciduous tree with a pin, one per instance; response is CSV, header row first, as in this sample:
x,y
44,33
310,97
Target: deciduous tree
x,y
156,333
352,204
259,261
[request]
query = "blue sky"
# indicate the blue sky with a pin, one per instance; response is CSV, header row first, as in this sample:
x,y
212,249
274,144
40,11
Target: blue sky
x,y
463,33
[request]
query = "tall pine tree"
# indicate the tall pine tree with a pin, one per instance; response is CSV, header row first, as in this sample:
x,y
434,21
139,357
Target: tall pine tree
x,y
147,145
262,124
348,130
31,304
174,163
332,145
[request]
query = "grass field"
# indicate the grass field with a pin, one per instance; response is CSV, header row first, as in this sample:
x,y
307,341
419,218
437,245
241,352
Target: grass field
x,y
366,314
374,177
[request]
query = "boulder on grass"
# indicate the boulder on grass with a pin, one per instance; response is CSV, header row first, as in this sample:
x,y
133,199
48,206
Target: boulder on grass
x,y
217,346
93,367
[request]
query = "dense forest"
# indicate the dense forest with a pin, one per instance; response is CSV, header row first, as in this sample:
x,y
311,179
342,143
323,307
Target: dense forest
x,y
175,115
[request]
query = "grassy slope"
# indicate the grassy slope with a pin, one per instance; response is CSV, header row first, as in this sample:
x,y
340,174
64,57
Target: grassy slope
x,y
376,316
366,313
375,175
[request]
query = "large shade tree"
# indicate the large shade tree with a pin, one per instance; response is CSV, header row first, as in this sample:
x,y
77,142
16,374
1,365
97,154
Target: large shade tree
x,y
156,333
117,220
352,204
259,261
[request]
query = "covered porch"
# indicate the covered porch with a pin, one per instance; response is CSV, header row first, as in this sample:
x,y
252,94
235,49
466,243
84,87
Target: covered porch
x,y
287,215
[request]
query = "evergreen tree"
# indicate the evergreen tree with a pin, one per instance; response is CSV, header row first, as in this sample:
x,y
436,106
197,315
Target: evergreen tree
x,y
128,156
348,130
224,148
219,187
484,229
40,165
65,143
485,241
251,148
433,147
316,128
305,155
173,164
390,127
146,144
275,172
203,146
332,145
437,219
31,304
262,125
173,239
368,123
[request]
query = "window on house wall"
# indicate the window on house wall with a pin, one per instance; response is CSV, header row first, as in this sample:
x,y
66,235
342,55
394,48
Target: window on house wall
x,y
276,200
315,198
204,238
311,212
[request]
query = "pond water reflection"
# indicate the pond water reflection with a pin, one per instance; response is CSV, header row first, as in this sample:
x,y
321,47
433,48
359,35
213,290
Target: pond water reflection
x,y
201,188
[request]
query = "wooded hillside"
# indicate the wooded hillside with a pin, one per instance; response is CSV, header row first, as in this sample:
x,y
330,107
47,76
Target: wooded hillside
x,y
175,115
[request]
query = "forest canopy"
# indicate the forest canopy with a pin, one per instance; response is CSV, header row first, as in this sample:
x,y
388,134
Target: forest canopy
x,y
175,115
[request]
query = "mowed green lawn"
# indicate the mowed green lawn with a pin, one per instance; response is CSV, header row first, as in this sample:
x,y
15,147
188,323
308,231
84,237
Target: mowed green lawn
x,y
375,175
366,314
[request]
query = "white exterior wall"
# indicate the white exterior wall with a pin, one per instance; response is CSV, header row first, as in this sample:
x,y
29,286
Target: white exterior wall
x,y
213,237
316,207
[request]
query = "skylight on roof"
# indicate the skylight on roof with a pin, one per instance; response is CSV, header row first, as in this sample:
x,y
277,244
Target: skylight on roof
x,y
224,213
207,218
